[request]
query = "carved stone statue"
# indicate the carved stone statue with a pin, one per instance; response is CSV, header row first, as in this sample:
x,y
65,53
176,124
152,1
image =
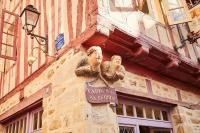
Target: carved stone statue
x,y
113,70
90,65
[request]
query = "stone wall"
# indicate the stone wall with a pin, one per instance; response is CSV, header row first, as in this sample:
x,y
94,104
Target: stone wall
x,y
67,109
163,90
185,120
14,100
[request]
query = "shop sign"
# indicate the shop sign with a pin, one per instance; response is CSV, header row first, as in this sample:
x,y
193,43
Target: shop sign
x,y
101,94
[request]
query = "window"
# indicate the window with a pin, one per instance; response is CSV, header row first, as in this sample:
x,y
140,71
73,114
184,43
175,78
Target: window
x,y
139,111
17,126
148,113
8,35
126,129
142,112
176,12
157,114
29,123
134,117
36,122
192,3
129,110
119,109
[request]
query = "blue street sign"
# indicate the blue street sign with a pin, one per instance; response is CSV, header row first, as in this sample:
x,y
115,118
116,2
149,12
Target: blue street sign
x,y
59,42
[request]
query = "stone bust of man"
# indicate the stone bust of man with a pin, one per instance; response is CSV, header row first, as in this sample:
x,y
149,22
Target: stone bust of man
x,y
90,65
113,70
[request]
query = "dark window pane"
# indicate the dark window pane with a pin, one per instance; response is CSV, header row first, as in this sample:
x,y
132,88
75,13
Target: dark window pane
x,y
13,129
7,128
165,115
157,114
149,113
40,121
124,129
35,119
119,109
10,129
17,126
139,111
144,129
25,124
21,126
129,110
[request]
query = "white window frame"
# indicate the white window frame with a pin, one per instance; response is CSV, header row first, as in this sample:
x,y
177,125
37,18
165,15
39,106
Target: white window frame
x,y
143,121
29,122
183,6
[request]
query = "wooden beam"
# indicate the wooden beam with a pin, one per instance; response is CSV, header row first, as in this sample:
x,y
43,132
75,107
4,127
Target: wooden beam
x,y
26,103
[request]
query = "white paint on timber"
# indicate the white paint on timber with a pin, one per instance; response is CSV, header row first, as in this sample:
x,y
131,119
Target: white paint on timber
x,y
64,22
84,15
74,15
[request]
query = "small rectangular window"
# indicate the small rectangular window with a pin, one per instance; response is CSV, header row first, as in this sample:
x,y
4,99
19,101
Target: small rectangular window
x,y
37,120
165,115
157,114
149,113
139,111
176,12
119,109
129,110
126,129
8,35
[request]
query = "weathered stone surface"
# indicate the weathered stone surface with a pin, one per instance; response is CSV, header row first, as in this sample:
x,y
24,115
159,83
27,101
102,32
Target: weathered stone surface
x,y
178,119
195,120
164,90
50,73
184,121
189,97
55,124
9,103
51,111
134,82
59,91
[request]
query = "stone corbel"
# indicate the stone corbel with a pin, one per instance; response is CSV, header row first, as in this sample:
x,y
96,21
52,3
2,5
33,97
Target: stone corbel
x,y
141,51
173,63
197,75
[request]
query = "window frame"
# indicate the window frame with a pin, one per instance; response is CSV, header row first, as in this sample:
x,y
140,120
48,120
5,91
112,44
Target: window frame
x,y
183,6
144,121
15,24
29,122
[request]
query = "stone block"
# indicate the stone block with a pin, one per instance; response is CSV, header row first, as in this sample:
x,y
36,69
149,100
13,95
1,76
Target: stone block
x,y
55,124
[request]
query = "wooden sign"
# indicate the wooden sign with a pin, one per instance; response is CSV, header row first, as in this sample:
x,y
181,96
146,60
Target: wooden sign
x,y
100,94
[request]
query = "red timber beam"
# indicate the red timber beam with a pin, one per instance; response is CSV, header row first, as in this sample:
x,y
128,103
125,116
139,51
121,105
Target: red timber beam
x,y
26,103
148,53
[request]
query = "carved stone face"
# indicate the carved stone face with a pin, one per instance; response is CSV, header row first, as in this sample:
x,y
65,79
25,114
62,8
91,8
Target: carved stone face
x,y
116,60
96,57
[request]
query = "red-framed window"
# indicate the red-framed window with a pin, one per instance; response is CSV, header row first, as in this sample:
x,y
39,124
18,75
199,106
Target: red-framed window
x,y
8,35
